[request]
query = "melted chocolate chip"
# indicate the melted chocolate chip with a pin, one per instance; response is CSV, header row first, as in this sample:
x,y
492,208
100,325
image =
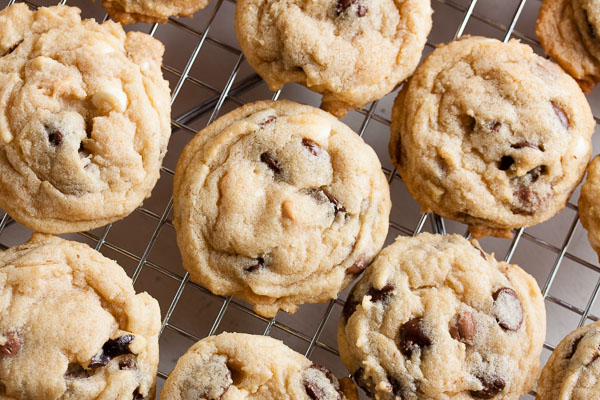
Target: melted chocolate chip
x,y
492,385
312,147
527,201
365,383
381,295
337,206
464,328
111,349
260,263
12,345
359,266
76,371
137,395
343,5
536,172
127,363
268,120
412,336
520,145
574,347
317,393
505,163
562,117
507,309
271,162
55,137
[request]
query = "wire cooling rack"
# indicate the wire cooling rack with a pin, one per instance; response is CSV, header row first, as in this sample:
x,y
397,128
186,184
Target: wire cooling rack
x,y
209,77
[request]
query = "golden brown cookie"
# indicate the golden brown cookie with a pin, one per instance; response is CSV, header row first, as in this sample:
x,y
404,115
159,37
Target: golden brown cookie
x,y
149,11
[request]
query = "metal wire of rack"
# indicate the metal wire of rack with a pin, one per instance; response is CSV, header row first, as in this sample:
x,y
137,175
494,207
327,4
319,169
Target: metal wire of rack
x,y
234,92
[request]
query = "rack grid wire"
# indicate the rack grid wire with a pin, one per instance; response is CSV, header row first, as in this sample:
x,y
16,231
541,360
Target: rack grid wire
x,y
313,330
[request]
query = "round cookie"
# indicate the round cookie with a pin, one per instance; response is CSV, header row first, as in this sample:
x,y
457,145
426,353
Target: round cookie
x,y
434,317
573,372
492,135
84,118
565,35
242,366
149,11
351,51
71,325
279,203
589,204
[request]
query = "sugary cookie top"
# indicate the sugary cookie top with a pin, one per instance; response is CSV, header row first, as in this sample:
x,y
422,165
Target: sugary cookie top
x,y
84,118
573,370
279,203
71,325
353,51
434,317
132,11
242,366
491,134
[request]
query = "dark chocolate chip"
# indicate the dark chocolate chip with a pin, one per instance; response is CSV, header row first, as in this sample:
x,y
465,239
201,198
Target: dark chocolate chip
x,y
536,172
271,162
380,295
337,206
574,347
12,345
464,328
527,201
76,371
359,266
55,137
505,163
560,113
492,385
343,5
312,147
365,383
507,309
495,126
260,263
350,304
268,120
522,144
317,393
412,336
111,349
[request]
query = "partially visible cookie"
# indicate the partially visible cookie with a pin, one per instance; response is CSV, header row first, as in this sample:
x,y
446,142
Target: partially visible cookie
x,y
573,370
351,51
589,204
84,118
434,317
491,134
279,203
71,325
568,36
149,11
242,366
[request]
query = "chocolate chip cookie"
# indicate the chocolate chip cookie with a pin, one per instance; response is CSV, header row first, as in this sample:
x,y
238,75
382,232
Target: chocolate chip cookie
x,y
573,370
242,366
351,51
279,203
589,204
491,134
567,30
84,118
436,317
133,11
71,325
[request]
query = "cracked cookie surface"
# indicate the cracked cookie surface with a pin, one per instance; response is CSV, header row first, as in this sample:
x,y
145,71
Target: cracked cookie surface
x,y
434,317
71,325
352,51
149,11
573,370
84,118
279,203
242,366
492,135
